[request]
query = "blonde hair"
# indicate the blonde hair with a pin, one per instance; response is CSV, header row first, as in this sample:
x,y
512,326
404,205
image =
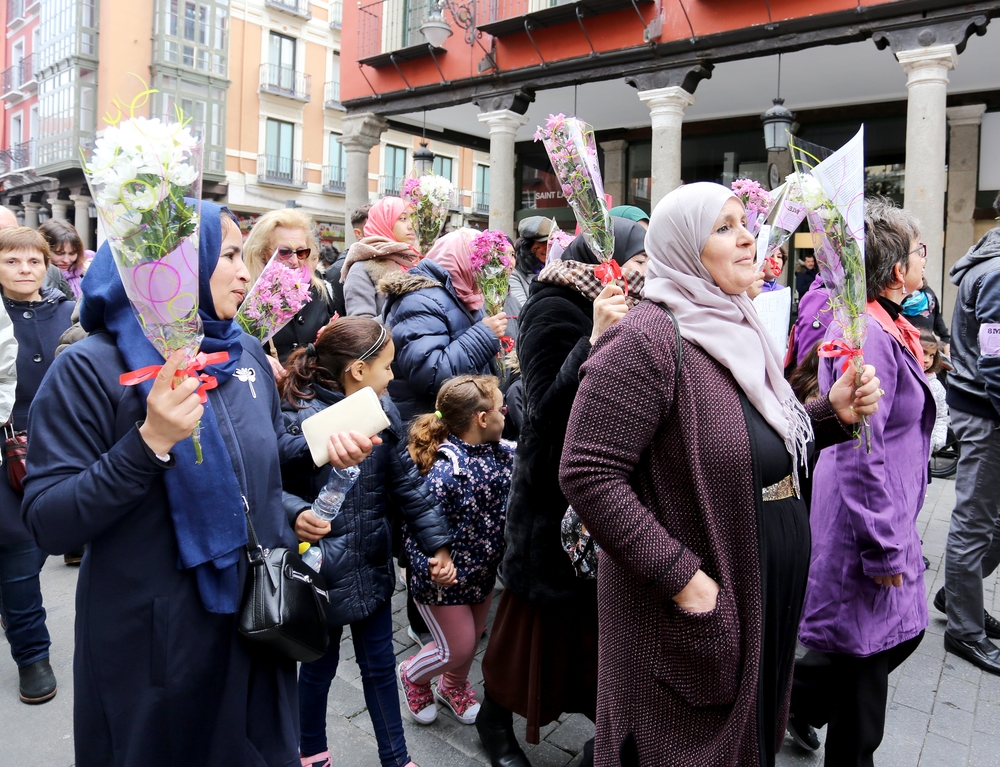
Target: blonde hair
x,y
458,401
257,249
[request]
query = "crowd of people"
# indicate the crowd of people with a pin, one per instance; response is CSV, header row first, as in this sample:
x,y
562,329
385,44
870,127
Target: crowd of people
x,y
670,504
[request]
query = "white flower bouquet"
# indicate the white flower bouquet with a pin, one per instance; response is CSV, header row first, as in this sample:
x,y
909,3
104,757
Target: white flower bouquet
x,y
145,177
430,197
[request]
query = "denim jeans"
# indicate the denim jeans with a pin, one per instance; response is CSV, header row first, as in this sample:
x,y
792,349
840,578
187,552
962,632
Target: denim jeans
x,y
21,602
377,660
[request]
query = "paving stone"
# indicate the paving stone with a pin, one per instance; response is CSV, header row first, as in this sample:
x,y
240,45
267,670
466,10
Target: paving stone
x,y
958,692
916,692
547,755
572,733
941,752
903,723
897,753
956,667
985,749
952,722
988,717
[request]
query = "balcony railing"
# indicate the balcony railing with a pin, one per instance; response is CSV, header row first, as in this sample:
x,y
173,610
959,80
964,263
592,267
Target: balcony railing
x,y
389,186
502,17
391,26
283,171
285,81
18,157
298,8
15,10
334,179
331,99
20,77
336,15
481,202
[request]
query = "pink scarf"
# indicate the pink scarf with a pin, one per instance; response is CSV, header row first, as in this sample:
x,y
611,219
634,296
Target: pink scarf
x,y
382,216
451,252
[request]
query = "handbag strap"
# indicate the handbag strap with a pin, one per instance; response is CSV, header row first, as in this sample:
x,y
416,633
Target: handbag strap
x,y
255,551
678,343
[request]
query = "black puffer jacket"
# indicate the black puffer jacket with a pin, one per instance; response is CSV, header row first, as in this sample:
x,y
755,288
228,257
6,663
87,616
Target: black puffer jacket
x,y
554,341
357,552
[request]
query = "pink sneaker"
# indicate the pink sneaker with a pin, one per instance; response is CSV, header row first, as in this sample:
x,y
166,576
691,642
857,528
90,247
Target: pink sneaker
x,y
419,698
461,701
317,760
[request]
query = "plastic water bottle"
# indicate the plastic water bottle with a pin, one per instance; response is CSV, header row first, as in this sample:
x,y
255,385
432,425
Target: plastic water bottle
x,y
311,555
331,497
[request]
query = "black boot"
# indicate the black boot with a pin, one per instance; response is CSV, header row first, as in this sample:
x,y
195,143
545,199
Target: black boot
x,y
37,682
495,726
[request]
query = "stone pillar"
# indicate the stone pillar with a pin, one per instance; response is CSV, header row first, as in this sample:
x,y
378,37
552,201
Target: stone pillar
x,y
927,85
31,214
963,167
666,108
361,133
59,208
81,203
615,170
503,125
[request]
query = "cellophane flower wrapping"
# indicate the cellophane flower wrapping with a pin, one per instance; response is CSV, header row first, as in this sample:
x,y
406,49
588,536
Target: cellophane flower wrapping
x,y
430,197
279,294
572,151
145,178
756,200
832,193
556,245
492,259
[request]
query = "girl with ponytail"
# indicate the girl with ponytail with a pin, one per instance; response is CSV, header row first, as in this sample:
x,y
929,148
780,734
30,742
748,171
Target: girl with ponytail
x,y
349,354
468,467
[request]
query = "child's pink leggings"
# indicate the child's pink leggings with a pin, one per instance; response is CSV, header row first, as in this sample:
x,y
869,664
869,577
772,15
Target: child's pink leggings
x,y
456,630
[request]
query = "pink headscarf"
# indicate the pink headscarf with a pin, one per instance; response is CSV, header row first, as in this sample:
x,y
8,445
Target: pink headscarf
x,y
382,216
451,252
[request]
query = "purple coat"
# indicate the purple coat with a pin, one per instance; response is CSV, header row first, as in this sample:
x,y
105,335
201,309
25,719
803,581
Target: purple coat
x,y
812,320
864,514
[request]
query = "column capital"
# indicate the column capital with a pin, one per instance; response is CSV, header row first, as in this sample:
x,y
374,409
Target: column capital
x,y
618,145
931,34
516,100
362,131
672,100
971,114
80,199
930,64
503,121
31,205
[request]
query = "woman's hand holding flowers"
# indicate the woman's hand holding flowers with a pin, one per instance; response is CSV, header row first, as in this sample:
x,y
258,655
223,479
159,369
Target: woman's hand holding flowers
x,y
851,402
609,308
497,324
171,412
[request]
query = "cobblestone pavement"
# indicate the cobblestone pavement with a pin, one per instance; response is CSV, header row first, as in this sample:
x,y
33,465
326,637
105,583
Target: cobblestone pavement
x,y
943,712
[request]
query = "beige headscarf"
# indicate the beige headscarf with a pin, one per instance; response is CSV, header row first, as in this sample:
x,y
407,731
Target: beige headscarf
x,y
375,247
725,326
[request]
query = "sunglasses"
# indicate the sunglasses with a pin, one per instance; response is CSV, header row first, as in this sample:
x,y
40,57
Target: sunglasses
x,y
285,254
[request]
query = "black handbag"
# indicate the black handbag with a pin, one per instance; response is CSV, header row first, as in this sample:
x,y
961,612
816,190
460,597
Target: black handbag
x,y
284,602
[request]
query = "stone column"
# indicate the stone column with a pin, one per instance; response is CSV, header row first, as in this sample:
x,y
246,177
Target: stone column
x,y
361,133
503,125
59,208
963,167
666,108
31,214
615,170
927,85
81,203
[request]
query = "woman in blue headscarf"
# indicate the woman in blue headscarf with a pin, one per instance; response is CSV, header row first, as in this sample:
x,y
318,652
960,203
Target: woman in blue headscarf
x,y
161,675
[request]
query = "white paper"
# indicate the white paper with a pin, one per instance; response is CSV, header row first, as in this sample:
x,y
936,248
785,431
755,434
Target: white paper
x,y
842,175
774,310
763,236
360,412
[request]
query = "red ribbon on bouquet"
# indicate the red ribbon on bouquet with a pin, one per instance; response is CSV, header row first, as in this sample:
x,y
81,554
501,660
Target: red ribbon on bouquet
x,y
840,348
507,343
776,266
609,271
200,361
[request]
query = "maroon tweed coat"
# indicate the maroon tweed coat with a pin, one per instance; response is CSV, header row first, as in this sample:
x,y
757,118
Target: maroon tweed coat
x,y
667,487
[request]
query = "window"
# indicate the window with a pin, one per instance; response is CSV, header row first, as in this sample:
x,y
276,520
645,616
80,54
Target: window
x,y
221,22
194,34
337,158
190,10
395,168
278,146
443,166
187,59
481,197
282,51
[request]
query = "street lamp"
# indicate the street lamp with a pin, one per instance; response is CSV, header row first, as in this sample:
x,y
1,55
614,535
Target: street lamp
x,y
777,121
423,160
436,30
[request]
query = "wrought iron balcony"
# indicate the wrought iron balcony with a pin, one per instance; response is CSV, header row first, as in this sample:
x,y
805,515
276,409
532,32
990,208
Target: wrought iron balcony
x,y
334,179
390,27
481,202
298,8
19,157
331,99
19,79
389,186
281,171
504,17
15,10
336,15
285,81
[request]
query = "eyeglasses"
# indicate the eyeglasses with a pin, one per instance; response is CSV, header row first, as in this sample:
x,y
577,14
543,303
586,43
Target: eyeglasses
x,y
285,254
503,410
921,249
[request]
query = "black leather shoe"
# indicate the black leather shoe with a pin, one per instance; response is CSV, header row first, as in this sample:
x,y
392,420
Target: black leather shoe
x,y
37,682
803,734
983,653
991,624
495,726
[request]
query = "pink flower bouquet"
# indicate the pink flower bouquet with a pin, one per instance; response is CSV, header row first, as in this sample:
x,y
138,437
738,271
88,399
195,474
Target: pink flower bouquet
x,y
492,260
430,197
756,200
278,295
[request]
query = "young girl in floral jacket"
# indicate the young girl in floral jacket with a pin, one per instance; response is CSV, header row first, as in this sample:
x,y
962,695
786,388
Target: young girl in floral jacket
x,y
468,468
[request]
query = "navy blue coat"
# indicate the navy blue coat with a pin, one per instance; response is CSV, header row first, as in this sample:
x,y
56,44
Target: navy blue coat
x,y
357,552
436,337
37,327
159,681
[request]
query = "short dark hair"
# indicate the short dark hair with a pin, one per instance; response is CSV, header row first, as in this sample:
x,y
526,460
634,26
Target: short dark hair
x,y
889,230
328,253
360,216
